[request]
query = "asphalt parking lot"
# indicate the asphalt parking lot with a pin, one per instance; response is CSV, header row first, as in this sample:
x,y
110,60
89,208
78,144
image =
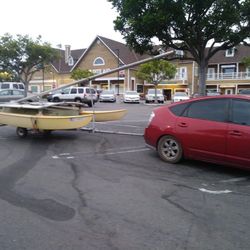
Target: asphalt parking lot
x,y
133,123
105,189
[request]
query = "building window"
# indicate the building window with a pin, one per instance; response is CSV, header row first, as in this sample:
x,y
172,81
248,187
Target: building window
x,y
46,88
210,73
139,88
70,61
34,89
248,72
230,52
179,53
181,73
98,61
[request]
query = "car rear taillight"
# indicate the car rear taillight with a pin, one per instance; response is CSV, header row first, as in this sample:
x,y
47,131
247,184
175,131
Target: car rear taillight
x,y
152,115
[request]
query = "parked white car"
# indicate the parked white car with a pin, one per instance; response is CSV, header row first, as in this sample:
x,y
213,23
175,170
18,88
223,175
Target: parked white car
x,y
180,96
85,95
150,96
12,85
131,96
107,96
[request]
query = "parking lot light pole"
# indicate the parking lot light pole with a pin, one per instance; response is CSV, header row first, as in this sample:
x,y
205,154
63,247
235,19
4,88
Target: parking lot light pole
x,y
118,73
155,82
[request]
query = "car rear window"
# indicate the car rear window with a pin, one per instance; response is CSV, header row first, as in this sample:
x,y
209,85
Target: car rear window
x,y
179,109
21,86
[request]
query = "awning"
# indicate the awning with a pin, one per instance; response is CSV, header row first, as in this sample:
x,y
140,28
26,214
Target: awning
x,y
227,86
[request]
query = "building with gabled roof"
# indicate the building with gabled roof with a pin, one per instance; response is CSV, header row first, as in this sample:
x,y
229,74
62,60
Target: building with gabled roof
x,y
226,72
102,55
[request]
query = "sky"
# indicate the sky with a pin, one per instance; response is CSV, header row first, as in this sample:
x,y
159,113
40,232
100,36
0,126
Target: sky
x,y
65,22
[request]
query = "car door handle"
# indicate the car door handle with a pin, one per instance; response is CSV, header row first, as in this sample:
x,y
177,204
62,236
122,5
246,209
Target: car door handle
x,y
235,132
182,124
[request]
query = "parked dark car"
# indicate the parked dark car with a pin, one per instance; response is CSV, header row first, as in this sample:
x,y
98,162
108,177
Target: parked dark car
x,y
244,92
212,129
7,95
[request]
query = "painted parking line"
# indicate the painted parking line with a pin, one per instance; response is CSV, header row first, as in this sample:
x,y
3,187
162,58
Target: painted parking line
x,y
107,152
215,191
234,180
126,151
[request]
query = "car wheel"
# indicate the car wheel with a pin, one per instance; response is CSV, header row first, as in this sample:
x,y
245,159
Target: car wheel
x,y
169,149
56,99
78,100
21,132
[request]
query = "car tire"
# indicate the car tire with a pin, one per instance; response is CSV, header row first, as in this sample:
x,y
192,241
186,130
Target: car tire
x,y
21,132
170,149
56,99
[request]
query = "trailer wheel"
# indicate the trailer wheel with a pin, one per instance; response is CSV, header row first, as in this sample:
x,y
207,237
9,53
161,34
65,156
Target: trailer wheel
x,y
21,132
47,133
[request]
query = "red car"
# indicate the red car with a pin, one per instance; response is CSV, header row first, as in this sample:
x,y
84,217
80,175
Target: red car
x,y
212,129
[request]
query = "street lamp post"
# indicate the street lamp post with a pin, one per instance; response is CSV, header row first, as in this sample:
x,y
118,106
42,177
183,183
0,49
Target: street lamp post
x,y
118,74
43,78
155,82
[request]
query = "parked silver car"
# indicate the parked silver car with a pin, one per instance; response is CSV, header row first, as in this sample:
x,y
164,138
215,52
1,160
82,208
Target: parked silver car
x,y
152,94
131,96
107,96
7,95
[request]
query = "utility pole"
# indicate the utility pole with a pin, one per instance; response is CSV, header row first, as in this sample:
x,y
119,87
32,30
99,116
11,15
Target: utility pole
x,y
118,73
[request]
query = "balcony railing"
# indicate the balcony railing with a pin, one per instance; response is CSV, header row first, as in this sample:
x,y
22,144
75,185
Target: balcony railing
x,y
229,76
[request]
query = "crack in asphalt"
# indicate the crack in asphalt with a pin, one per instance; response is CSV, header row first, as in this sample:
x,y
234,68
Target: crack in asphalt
x,y
177,205
75,187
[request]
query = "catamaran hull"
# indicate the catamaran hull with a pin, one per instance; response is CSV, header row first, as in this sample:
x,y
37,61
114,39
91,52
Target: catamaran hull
x,y
42,122
107,115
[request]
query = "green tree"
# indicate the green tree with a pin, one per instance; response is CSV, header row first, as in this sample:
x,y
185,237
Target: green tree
x,y
155,72
246,61
4,76
21,56
187,25
78,74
